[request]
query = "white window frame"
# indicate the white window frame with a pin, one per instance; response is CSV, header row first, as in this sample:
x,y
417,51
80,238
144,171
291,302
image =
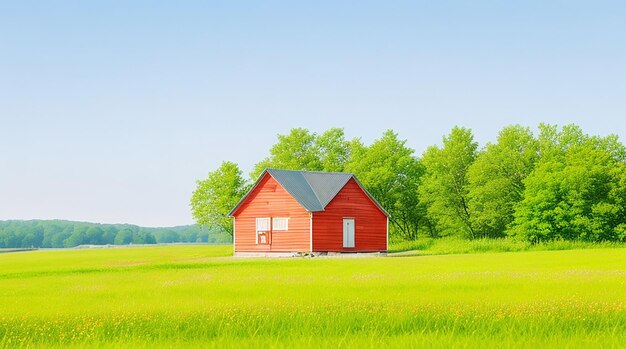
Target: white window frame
x,y
278,227
260,228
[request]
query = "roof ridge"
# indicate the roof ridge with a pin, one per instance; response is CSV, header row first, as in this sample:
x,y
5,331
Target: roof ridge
x,y
322,193
313,190
302,192
308,171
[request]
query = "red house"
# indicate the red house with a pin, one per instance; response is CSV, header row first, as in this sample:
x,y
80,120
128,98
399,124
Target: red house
x,y
287,212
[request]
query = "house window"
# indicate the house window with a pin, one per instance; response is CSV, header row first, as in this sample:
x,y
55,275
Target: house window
x,y
280,224
263,231
262,224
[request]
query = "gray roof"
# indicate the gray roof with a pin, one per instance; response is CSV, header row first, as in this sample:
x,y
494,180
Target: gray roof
x,y
313,190
299,187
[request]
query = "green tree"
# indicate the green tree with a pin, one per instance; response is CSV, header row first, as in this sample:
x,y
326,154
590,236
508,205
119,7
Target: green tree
x,y
333,149
168,236
215,196
305,150
143,237
57,239
78,237
56,233
12,240
496,180
295,151
444,186
29,240
108,236
50,231
123,237
94,235
576,189
390,172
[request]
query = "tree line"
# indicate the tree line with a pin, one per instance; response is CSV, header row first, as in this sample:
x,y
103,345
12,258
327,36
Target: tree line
x,y
59,233
559,183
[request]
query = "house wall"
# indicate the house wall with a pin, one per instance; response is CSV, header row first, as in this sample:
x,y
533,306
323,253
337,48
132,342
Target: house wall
x,y
269,199
370,223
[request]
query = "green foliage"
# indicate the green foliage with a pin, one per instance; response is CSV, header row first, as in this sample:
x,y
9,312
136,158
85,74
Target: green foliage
x,y
444,186
496,180
562,184
189,234
391,174
191,296
58,233
123,237
305,150
215,196
387,169
333,150
295,151
576,189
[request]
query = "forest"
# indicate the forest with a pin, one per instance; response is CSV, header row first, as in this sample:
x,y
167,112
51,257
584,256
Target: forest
x,y
60,233
557,183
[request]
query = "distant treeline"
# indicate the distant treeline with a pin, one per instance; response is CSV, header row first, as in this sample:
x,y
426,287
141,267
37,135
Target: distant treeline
x,y
59,233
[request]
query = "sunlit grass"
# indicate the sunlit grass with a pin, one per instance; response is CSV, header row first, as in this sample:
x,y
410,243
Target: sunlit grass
x,y
199,296
456,245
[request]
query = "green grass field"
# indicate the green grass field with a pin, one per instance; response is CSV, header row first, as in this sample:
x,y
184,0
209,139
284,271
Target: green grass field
x,y
178,296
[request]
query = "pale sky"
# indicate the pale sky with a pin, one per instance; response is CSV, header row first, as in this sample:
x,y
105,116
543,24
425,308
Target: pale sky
x,y
110,111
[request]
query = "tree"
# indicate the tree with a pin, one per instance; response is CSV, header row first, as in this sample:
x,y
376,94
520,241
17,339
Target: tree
x,y
333,150
496,180
55,233
78,237
391,174
123,237
143,237
12,240
32,236
29,240
295,151
444,186
108,236
215,196
94,235
303,150
576,190
57,239
168,236
50,231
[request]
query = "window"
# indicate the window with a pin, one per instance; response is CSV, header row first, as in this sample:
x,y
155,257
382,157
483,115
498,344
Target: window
x,y
263,231
280,223
262,224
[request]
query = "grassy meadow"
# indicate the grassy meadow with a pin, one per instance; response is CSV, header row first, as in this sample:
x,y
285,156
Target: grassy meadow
x,y
177,296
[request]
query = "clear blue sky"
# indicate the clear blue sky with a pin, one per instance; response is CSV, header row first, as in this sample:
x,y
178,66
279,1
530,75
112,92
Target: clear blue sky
x,y
111,110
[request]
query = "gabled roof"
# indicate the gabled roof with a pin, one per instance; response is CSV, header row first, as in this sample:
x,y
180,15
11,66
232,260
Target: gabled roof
x,y
313,190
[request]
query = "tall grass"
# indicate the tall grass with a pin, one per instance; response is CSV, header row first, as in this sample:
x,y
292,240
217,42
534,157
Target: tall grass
x,y
455,245
368,324
198,296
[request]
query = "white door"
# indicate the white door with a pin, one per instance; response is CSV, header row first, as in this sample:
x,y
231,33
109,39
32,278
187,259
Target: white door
x,y
348,232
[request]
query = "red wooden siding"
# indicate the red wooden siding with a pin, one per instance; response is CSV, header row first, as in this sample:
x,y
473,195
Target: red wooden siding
x,y
370,233
269,199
